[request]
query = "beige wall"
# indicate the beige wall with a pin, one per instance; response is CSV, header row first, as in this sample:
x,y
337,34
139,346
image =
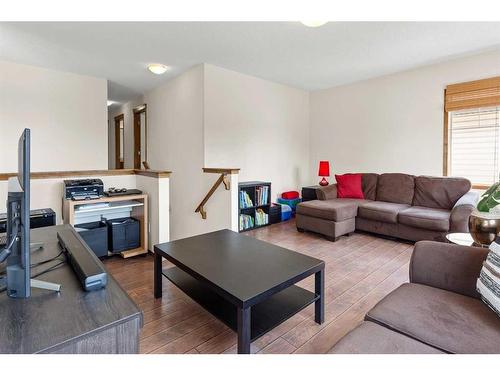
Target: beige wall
x,y
259,126
67,114
392,123
175,142
128,122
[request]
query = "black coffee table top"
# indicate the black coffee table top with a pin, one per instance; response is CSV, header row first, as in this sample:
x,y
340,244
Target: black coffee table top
x,y
245,270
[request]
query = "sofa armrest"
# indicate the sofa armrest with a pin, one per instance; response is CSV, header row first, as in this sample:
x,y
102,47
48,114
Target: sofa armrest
x,y
459,218
447,266
327,192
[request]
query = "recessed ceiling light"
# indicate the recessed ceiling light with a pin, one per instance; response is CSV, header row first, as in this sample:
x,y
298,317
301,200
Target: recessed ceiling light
x,y
313,23
157,68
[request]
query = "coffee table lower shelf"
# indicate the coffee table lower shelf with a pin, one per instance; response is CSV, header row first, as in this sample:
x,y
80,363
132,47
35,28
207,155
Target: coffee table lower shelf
x,y
264,316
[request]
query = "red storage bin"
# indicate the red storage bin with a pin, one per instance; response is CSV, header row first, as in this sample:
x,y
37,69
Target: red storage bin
x,y
290,195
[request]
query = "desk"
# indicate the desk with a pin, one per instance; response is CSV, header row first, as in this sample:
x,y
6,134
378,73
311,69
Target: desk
x,y
137,205
72,321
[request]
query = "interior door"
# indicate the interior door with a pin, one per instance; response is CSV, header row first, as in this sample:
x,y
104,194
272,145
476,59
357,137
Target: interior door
x,y
140,137
119,141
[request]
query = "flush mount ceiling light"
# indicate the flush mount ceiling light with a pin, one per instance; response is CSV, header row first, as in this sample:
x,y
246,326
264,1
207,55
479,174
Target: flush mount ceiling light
x,y
313,23
157,68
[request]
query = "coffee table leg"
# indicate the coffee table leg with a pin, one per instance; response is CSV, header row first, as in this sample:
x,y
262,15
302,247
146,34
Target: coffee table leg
x,y
319,305
243,330
157,276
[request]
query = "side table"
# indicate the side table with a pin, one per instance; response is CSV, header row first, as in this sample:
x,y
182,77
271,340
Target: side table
x,y
464,239
309,193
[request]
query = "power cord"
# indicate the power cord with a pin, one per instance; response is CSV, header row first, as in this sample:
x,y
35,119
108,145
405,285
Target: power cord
x,y
34,265
5,252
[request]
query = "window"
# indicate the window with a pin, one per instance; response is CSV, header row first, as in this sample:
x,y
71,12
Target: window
x,y
472,131
474,144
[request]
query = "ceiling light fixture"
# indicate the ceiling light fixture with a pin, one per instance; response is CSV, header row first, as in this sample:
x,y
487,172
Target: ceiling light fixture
x,y
157,68
313,23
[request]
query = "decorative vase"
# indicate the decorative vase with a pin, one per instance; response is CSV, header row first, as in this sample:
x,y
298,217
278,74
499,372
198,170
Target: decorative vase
x,y
484,226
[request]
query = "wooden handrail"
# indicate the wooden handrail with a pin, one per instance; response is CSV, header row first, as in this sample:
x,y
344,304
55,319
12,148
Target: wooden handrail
x,y
88,173
223,179
222,170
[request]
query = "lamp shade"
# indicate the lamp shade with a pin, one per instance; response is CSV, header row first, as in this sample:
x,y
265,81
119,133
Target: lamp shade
x,y
324,168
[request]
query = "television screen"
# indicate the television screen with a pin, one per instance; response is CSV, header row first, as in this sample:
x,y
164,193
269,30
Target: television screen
x,y
23,159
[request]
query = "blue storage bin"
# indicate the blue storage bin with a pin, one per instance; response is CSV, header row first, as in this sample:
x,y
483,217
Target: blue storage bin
x,y
292,203
286,212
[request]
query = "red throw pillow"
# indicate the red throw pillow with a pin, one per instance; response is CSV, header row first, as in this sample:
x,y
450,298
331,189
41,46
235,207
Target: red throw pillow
x,y
349,186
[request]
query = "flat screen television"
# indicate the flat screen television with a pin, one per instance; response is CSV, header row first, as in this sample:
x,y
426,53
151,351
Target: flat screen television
x,y
17,248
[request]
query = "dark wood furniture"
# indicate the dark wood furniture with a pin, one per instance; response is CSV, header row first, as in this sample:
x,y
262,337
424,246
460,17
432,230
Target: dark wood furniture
x,y
309,193
72,321
246,283
251,187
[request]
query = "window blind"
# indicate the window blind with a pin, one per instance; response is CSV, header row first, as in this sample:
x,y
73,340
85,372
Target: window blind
x,y
474,144
474,94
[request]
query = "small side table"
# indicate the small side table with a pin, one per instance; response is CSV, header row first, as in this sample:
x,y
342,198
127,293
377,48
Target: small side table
x,y
309,193
464,239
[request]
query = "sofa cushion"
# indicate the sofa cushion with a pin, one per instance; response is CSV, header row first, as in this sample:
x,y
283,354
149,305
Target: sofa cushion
x,y
371,338
337,209
488,284
439,192
369,185
448,321
349,186
396,188
381,211
436,219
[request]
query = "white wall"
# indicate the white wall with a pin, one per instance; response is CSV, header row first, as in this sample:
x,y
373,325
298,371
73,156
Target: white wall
x,y
175,142
392,123
67,114
259,126
128,123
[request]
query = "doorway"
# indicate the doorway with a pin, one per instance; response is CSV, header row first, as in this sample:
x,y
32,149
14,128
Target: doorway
x,y
119,141
140,138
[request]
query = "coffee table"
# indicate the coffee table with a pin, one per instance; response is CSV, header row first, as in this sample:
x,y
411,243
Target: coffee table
x,y
246,283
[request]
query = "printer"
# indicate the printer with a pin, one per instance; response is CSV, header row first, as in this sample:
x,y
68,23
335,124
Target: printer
x,y
84,189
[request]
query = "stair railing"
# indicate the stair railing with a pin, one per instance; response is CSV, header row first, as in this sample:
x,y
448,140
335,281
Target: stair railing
x,y
223,179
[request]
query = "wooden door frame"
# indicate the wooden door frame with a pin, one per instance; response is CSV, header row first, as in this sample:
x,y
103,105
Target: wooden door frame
x,y
137,135
119,164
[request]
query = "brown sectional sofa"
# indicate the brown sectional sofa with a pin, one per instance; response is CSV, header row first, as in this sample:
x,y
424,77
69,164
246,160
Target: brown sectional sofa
x,y
439,311
396,204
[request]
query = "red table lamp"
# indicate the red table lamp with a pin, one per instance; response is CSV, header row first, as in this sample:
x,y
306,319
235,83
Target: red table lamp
x,y
324,171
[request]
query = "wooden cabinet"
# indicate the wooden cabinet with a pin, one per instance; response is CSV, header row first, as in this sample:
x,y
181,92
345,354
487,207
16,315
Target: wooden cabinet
x,y
75,212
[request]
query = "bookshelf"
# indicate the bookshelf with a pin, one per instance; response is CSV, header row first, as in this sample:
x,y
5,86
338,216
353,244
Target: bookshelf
x,y
254,203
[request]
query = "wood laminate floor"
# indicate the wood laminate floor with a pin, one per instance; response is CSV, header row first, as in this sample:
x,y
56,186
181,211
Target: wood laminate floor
x,y
360,270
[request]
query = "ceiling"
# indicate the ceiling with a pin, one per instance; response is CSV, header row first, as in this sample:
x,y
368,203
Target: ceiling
x,y
286,52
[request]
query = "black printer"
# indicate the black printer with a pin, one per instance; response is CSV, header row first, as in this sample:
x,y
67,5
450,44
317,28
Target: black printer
x,y
89,188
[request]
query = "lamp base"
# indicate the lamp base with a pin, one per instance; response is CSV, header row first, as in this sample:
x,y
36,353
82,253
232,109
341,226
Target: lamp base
x,y
323,182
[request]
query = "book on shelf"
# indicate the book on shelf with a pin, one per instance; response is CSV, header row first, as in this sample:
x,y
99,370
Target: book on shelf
x,y
261,218
245,201
246,222
262,195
